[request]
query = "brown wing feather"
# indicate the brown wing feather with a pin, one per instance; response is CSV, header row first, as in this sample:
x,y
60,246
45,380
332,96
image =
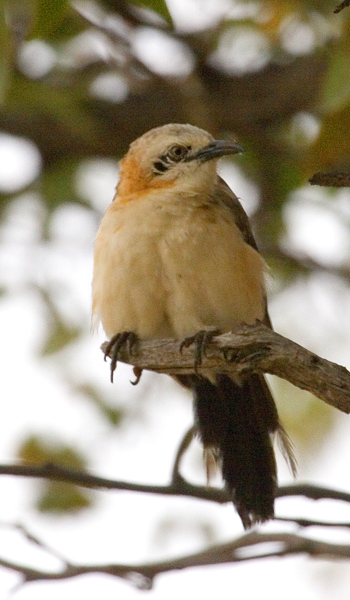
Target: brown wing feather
x,y
235,422
228,197
224,194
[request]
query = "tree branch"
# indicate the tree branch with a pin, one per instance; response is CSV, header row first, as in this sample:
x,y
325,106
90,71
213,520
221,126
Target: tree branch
x,y
185,443
250,348
341,6
331,179
282,90
250,546
302,263
178,486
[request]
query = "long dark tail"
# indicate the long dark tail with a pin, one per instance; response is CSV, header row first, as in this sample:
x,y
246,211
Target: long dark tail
x,y
235,423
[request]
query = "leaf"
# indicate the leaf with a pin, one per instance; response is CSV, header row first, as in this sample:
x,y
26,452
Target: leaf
x,y
61,497
331,150
59,336
59,108
335,93
55,496
158,6
49,15
59,333
114,415
57,183
5,57
38,450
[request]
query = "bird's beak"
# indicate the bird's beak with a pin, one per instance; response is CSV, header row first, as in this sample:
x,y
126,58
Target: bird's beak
x,y
216,149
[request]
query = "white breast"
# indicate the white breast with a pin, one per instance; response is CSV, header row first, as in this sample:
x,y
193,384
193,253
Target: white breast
x,y
165,267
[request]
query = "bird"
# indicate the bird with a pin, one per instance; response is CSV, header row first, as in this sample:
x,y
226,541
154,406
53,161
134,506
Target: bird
x,y
175,257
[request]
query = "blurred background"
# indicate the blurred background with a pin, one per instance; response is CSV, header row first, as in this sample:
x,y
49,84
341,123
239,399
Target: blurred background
x,y
78,82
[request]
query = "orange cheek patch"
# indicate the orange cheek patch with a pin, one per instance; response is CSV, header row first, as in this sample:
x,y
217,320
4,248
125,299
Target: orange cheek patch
x,y
132,178
134,183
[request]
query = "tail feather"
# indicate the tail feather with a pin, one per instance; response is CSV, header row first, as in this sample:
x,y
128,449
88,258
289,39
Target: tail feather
x,y
235,422
287,449
266,410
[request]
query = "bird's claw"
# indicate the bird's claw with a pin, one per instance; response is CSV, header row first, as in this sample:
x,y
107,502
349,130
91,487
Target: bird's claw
x,y
125,340
137,372
200,340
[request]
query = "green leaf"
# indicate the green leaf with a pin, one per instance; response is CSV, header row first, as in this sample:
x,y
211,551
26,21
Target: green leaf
x,y
55,496
48,17
57,183
59,336
38,450
335,93
5,56
332,147
63,108
61,498
59,333
158,6
113,414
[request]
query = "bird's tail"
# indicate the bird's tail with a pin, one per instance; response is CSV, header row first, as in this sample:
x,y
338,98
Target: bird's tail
x,y
235,424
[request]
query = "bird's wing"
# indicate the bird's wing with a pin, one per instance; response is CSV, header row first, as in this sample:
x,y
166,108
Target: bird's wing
x,y
224,194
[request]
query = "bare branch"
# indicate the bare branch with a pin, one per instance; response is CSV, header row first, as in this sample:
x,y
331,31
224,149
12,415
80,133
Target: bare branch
x,y
178,486
301,522
185,442
302,262
250,546
250,348
313,492
253,348
165,101
341,6
334,178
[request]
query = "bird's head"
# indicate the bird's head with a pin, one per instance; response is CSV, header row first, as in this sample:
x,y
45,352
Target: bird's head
x,y
172,154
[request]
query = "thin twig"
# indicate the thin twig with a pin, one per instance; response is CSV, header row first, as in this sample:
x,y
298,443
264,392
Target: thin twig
x,y
254,545
184,444
313,492
178,487
342,5
304,523
333,178
303,263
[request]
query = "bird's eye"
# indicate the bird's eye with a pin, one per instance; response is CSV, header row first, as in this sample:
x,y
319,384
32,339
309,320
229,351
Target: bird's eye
x,y
159,167
177,152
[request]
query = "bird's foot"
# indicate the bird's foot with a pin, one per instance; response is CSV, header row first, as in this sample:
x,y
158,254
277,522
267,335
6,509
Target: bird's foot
x,y
137,372
120,341
200,340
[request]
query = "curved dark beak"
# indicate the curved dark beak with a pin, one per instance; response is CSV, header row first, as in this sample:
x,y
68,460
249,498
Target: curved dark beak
x,y
216,149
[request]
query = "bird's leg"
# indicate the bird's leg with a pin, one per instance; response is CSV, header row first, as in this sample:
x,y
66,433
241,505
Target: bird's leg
x,y
200,340
125,340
